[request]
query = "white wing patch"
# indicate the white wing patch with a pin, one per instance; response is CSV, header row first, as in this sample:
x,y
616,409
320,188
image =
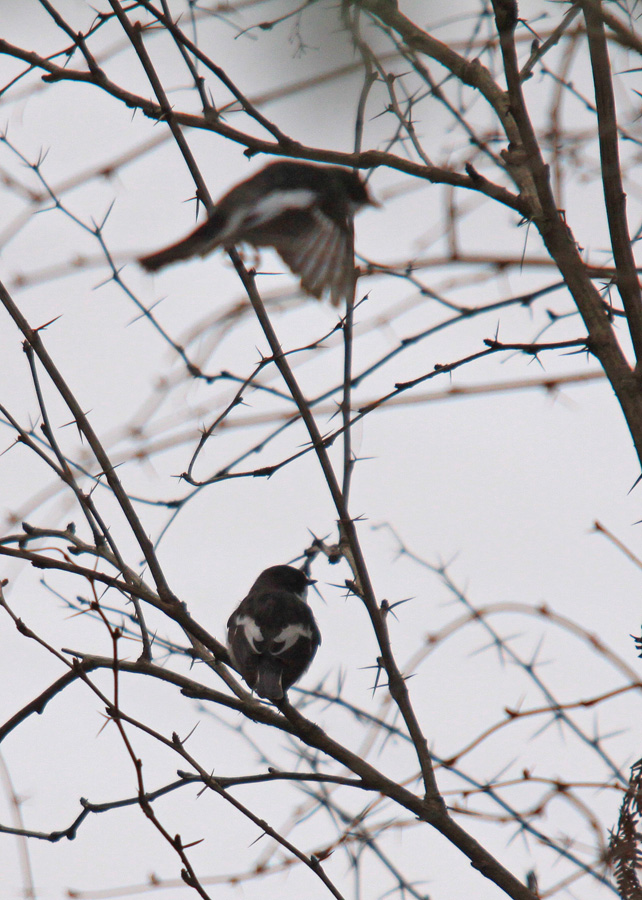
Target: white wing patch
x,y
278,202
268,208
289,636
251,630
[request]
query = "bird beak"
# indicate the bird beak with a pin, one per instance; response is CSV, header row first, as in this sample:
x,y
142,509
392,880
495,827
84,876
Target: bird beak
x,y
372,201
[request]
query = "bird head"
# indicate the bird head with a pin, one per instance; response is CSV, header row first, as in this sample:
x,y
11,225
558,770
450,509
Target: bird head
x,y
283,578
356,189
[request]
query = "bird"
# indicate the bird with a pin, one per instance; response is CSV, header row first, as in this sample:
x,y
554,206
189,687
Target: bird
x,y
272,635
304,211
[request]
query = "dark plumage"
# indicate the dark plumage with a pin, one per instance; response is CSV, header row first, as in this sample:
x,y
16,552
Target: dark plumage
x,y
305,212
272,635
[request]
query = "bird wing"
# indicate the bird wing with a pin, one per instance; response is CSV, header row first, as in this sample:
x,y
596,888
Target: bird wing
x,y
242,650
268,209
321,253
294,644
287,637
272,658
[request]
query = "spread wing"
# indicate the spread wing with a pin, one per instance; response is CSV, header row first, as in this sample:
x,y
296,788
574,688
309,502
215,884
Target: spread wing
x,y
317,247
321,253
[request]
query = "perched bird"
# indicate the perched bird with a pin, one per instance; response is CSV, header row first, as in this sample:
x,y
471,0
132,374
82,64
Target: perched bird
x,y
272,635
305,212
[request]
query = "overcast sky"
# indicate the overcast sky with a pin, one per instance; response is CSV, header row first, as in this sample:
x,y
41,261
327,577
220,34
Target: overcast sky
x,y
503,487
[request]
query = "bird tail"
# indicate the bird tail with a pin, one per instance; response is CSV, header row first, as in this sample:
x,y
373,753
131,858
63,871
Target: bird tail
x,y
164,257
201,241
268,683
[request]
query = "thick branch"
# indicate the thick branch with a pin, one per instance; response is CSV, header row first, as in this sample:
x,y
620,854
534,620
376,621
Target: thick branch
x,y
560,243
364,160
614,196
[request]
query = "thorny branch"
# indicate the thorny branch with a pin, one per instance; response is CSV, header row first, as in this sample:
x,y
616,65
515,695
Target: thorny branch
x,y
501,158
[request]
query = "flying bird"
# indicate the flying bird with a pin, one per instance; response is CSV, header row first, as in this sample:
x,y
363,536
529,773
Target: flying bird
x,y
304,211
272,635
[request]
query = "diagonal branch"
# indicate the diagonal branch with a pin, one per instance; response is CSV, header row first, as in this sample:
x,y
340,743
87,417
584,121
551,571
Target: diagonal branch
x,y
133,33
33,338
365,159
614,196
348,531
560,241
